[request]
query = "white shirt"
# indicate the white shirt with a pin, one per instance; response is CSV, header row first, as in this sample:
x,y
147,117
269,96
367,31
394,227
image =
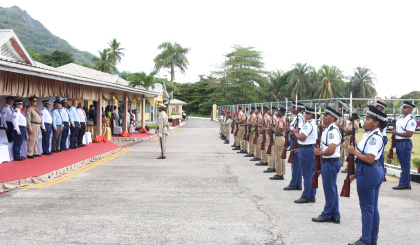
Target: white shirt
x,y
6,114
46,117
405,124
311,131
82,115
384,130
18,119
65,114
300,124
371,143
116,116
331,135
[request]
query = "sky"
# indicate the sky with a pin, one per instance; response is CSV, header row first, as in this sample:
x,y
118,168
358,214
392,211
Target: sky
x,y
381,35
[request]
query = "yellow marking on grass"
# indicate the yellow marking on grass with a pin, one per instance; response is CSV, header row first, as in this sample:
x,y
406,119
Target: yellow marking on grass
x,y
77,171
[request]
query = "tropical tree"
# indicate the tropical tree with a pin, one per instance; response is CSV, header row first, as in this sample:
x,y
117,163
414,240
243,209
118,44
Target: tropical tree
x,y
143,80
329,83
116,50
105,61
362,84
276,89
300,82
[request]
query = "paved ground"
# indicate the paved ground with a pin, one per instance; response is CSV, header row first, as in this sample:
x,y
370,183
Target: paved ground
x,y
204,193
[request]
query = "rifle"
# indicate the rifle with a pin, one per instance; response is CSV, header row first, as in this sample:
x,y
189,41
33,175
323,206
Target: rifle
x,y
246,127
393,144
237,127
249,127
318,159
271,138
345,192
263,141
286,142
232,126
256,132
292,153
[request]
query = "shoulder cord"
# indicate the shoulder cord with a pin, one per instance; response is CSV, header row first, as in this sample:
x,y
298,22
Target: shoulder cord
x,y
330,129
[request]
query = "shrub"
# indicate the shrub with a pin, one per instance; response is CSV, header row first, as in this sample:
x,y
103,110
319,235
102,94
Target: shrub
x,y
152,125
416,162
393,161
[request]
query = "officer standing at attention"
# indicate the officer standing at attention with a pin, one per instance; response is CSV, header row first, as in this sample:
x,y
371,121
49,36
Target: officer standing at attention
x,y
237,120
242,121
331,164
19,129
278,128
6,118
82,128
270,157
34,125
306,140
57,125
75,125
296,181
162,127
369,174
264,124
251,124
226,127
404,129
257,147
235,145
65,116
381,105
46,127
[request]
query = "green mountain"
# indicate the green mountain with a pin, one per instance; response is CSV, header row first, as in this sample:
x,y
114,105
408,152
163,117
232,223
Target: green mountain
x,y
34,35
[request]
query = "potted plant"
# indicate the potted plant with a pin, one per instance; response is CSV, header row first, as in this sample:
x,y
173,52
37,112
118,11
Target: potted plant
x,y
152,128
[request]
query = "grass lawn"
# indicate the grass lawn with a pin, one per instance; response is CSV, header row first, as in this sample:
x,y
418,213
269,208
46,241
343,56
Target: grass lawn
x,y
415,153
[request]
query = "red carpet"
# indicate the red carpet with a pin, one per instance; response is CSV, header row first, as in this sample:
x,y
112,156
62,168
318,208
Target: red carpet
x,y
38,166
137,135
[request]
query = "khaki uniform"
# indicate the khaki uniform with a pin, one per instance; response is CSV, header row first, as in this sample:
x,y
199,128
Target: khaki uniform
x,y
162,125
241,133
264,157
237,141
342,122
226,128
251,145
34,119
270,157
257,148
344,153
278,149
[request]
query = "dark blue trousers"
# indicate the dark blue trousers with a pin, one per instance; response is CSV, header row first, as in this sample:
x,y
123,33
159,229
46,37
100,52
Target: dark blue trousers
x,y
17,141
381,159
369,179
307,166
329,171
73,134
9,132
46,139
64,136
296,171
404,156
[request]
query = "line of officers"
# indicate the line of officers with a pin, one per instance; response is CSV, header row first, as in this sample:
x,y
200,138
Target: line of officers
x,y
19,124
334,149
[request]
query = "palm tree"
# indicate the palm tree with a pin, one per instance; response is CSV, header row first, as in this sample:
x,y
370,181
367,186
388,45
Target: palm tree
x,y
274,85
362,84
105,62
172,56
116,50
144,80
330,83
301,80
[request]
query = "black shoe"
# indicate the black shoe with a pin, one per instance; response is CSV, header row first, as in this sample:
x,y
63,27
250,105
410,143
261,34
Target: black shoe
x,y
312,199
48,153
335,221
248,155
59,150
241,152
233,145
321,219
161,157
236,148
227,142
303,200
255,159
269,170
39,155
402,187
30,157
19,159
384,180
277,177
359,242
292,188
345,171
261,164
53,152
72,147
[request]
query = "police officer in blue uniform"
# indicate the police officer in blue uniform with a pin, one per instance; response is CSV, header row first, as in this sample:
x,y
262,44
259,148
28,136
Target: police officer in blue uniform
x,y
46,126
19,129
296,181
65,115
381,105
331,164
369,174
306,137
6,118
404,129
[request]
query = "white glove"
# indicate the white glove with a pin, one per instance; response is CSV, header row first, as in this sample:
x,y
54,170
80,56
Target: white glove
x,y
167,134
160,135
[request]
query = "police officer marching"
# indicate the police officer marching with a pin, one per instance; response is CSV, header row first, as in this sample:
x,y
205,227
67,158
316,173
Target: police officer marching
x,y
19,123
404,130
306,139
46,126
6,118
278,128
369,174
331,164
34,126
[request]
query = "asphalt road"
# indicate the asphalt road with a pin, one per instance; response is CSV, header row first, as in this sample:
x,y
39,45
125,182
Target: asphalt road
x,y
203,193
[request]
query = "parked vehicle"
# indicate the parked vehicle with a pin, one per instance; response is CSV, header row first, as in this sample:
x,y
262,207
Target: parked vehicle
x,y
417,117
392,120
